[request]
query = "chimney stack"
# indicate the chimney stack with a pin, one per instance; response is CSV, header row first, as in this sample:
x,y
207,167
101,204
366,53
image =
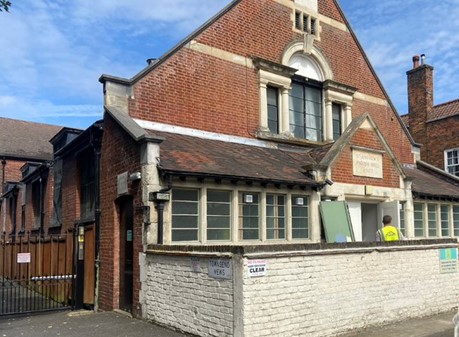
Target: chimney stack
x,y
420,99
415,61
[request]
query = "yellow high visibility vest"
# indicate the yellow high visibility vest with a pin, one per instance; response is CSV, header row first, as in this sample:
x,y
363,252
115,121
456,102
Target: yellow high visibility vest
x,y
389,233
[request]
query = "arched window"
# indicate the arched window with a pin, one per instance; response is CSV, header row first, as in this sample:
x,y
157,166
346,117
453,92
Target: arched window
x,y
305,99
299,99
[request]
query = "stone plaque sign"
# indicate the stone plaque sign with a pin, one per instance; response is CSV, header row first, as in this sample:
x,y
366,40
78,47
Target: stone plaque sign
x,y
367,164
220,268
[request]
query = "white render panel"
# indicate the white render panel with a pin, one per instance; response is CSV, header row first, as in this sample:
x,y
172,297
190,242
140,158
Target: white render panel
x,y
316,293
328,294
180,294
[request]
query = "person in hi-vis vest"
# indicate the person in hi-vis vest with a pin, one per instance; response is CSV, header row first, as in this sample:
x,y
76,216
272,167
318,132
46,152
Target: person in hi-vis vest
x,y
389,232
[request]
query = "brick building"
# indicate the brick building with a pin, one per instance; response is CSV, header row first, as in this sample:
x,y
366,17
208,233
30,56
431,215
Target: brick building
x,y
50,199
428,122
25,152
224,165
237,183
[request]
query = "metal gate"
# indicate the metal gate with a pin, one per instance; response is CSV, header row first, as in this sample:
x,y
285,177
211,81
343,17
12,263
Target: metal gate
x,y
37,273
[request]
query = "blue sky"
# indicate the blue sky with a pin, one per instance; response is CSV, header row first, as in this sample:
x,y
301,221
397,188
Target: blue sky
x,y
54,51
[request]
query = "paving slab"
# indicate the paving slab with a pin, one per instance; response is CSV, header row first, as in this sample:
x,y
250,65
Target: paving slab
x,y
81,324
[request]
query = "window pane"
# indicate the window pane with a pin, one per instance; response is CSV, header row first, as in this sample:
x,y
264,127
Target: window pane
x,y
218,215
275,219
452,165
444,220
185,211
456,220
249,221
313,94
402,218
218,234
418,220
337,122
273,109
432,220
184,235
300,220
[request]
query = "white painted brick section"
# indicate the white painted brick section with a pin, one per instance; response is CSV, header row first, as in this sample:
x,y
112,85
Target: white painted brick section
x,y
323,295
190,301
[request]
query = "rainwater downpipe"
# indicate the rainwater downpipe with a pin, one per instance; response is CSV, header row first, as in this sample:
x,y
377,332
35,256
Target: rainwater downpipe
x,y
96,144
3,175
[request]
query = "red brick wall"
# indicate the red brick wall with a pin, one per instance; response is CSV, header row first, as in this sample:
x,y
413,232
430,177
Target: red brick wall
x,y
70,192
420,103
119,154
448,131
13,170
342,170
195,90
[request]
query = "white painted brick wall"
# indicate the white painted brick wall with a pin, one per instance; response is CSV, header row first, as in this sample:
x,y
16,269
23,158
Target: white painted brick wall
x,y
323,295
310,293
190,301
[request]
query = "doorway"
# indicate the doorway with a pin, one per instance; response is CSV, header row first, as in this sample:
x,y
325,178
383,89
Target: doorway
x,y
126,213
367,217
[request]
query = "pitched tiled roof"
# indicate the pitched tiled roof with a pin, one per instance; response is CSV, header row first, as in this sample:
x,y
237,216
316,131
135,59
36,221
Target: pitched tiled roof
x,y
431,182
26,140
447,109
187,155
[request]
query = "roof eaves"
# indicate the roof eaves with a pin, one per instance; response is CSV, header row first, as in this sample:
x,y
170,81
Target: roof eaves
x,y
437,171
131,127
204,175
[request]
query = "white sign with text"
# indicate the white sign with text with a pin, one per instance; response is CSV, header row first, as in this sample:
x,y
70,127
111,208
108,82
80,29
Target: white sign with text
x,y
220,268
256,268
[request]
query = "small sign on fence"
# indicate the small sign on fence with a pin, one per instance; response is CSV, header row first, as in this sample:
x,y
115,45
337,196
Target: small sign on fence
x,y
23,258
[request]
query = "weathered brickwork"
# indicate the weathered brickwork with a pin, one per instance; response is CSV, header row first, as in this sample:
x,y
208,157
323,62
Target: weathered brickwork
x,y
120,154
187,300
447,131
13,170
195,90
342,170
70,188
326,294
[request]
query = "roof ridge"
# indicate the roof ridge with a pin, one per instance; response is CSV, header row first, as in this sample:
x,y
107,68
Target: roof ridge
x,y
445,103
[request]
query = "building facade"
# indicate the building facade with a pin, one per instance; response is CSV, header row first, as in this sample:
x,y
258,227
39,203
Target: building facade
x,y
224,165
427,122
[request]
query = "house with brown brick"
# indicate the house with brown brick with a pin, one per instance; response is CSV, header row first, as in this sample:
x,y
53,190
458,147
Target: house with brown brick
x,y
49,215
235,186
25,152
245,172
428,122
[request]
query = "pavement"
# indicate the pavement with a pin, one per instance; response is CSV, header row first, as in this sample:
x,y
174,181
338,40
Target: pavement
x,y
117,324
440,325
81,324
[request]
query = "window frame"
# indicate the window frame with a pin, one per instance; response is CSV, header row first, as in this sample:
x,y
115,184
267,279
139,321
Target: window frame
x,y
279,221
229,215
446,161
174,202
318,129
236,213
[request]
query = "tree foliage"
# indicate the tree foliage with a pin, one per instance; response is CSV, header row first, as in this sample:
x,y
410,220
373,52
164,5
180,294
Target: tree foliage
x,y
5,5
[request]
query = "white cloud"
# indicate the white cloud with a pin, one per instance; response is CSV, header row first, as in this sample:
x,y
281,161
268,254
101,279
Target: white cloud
x,y
392,31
